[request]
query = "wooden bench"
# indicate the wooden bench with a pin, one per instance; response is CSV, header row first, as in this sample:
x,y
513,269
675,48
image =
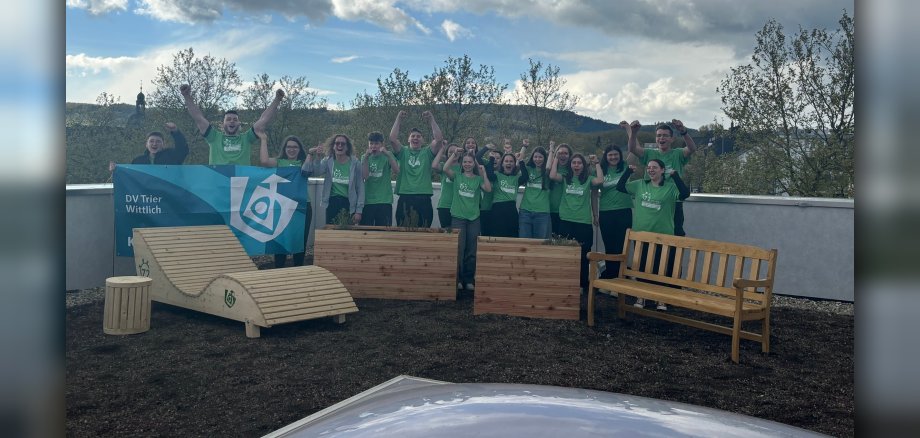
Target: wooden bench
x,y
725,279
205,268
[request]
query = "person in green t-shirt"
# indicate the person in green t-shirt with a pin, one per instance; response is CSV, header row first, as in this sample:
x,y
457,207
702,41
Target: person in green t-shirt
x,y
614,208
413,185
577,206
561,153
447,183
292,154
485,205
229,146
378,165
673,158
534,219
343,187
468,187
654,200
504,202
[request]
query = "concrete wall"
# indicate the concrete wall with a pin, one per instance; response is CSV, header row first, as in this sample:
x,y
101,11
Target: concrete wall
x,y
814,236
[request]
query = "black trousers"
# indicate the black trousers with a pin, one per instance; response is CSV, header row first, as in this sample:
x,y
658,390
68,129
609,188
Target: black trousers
x,y
335,207
555,224
679,219
485,222
421,204
299,256
613,225
445,217
377,214
504,218
584,235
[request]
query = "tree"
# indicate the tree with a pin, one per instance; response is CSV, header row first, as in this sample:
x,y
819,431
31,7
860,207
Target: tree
x,y
542,91
794,110
461,96
214,82
298,96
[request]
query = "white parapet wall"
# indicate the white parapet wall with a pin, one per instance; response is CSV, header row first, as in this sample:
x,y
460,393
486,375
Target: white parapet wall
x,y
814,236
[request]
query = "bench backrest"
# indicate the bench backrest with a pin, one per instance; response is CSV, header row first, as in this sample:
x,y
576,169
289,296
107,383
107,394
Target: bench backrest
x,y
190,257
700,264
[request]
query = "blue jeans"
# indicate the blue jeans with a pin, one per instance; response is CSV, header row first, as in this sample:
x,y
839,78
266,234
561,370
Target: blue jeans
x,y
533,225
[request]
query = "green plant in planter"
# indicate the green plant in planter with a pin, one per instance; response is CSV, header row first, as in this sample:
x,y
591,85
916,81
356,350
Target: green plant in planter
x,y
342,221
410,218
559,240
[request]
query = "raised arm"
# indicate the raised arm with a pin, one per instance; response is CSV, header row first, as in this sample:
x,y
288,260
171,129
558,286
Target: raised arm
x,y
632,137
264,158
436,162
621,183
365,166
486,184
181,145
688,140
269,112
598,171
200,121
447,168
525,174
437,141
682,189
553,173
394,131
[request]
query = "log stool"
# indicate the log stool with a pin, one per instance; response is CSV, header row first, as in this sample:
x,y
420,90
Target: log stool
x,y
127,305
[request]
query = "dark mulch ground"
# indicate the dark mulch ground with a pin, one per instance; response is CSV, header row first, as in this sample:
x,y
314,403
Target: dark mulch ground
x,y
197,375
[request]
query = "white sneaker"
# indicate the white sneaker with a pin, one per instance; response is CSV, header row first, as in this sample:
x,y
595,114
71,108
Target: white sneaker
x,y
459,286
639,303
469,287
662,306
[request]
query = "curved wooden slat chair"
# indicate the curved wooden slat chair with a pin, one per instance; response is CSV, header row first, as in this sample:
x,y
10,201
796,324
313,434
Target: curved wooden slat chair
x,y
205,268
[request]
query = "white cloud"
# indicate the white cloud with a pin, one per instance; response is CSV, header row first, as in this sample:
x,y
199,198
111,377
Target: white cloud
x,y
379,12
454,30
121,76
98,7
344,59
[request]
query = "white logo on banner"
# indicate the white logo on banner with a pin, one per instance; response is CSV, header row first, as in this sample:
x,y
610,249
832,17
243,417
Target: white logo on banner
x,y
261,207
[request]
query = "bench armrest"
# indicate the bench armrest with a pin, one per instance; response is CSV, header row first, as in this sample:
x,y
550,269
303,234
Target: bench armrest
x,y
598,256
744,283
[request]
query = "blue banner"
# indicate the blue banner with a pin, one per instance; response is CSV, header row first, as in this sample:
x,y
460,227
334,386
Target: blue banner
x,y
265,207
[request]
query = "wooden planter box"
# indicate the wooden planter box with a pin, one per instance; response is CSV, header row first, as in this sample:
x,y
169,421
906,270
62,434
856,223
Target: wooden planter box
x,y
390,262
526,277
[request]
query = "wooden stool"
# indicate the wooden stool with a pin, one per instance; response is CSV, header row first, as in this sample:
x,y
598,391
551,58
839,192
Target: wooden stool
x,y
127,305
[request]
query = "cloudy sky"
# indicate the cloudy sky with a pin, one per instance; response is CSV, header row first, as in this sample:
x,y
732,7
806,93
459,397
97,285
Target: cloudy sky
x,y
629,59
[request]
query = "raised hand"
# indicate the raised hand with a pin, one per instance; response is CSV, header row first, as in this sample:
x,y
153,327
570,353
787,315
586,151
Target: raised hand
x,y
186,90
426,115
402,115
624,124
632,167
526,142
678,125
592,159
170,126
635,125
279,94
111,166
552,146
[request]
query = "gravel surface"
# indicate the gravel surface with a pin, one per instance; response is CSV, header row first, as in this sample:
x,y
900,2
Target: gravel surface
x,y
194,374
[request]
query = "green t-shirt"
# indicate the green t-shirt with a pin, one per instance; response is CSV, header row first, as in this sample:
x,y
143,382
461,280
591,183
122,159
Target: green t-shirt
x,y
340,174
576,202
653,207
555,192
467,193
377,187
284,162
414,171
447,187
230,149
505,187
611,198
535,199
673,159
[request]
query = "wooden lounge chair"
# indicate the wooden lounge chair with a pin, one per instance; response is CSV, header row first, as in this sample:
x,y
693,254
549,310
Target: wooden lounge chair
x,y
205,268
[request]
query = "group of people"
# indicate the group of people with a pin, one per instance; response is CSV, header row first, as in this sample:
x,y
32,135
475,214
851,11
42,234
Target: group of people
x,y
565,193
